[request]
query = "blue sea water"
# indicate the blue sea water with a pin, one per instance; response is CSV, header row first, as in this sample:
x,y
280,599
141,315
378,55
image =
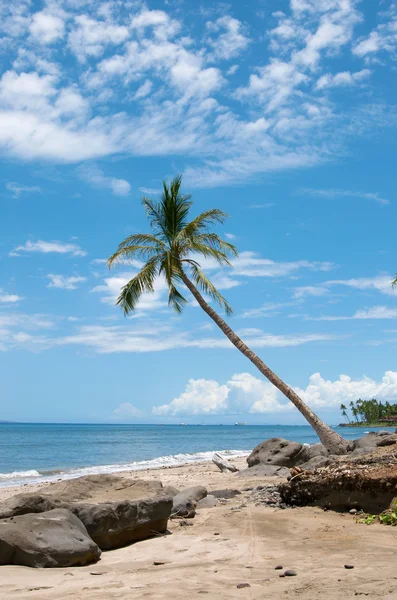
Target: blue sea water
x,y
44,452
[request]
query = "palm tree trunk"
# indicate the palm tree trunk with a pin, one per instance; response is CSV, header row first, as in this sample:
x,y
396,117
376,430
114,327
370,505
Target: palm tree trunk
x,y
334,443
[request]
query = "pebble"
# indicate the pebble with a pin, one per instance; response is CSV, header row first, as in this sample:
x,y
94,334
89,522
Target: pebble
x,y
216,533
353,511
281,575
242,585
278,568
158,563
290,573
349,566
97,573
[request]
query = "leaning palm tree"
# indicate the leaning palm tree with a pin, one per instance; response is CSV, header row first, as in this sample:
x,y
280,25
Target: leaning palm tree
x,y
171,250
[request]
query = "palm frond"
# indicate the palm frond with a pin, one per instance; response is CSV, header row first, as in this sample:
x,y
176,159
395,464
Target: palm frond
x,y
141,238
208,288
202,222
214,241
174,208
123,254
175,299
206,251
142,282
394,282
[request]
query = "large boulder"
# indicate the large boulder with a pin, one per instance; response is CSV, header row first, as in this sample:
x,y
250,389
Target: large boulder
x,y
115,511
55,538
260,471
116,524
375,439
184,503
317,462
280,452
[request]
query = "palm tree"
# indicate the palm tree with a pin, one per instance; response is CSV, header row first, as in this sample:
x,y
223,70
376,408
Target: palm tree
x,y
344,413
170,250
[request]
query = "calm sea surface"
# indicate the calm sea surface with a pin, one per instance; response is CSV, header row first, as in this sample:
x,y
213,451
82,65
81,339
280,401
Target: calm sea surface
x,y
43,452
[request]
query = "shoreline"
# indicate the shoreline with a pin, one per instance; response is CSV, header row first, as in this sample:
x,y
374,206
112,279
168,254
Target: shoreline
x,y
237,543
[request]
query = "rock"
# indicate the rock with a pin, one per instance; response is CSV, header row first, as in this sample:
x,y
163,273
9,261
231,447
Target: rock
x,y
353,511
361,451
366,441
183,523
278,568
387,440
225,494
280,452
264,471
184,503
315,463
54,538
207,502
349,566
169,490
23,504
384,432
240,586
116,524
316,450
290,573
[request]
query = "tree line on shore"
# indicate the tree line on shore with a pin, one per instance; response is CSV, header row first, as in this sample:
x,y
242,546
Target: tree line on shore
x,y
369,412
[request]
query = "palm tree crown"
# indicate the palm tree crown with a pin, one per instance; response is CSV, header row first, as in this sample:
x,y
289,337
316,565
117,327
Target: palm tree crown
x,y
174,244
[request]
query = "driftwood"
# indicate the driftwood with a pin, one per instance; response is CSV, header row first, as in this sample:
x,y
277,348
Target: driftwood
x,y
222,464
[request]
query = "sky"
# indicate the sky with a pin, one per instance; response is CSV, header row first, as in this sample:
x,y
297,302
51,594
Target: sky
x,y
281,113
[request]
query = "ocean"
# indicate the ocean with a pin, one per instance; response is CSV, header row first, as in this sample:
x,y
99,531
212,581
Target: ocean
x,y
32,453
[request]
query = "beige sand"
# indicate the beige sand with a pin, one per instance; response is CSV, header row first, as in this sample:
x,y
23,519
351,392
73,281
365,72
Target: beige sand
x,y
252,540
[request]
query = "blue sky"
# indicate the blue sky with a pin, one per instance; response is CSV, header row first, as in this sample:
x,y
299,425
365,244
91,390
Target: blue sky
x,y
283,113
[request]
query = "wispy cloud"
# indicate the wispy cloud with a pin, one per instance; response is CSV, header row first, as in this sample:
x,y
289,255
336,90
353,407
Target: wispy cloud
x,y
63,282
17,189
376,312
95,177
9,298
44,247
337,193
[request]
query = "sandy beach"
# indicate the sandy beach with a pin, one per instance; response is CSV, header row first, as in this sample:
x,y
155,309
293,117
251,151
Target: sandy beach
x,y
236,542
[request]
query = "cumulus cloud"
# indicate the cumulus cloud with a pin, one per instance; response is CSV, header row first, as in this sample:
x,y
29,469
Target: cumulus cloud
x,y
9,298
47,28
342,79
244,393
44,247
126,411
229,39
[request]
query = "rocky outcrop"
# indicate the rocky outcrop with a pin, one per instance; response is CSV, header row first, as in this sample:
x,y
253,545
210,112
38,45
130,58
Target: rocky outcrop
x,y
284,453
116,524
115,511
184,503
54,538
260,471
317,462
375,439
367,483
225,494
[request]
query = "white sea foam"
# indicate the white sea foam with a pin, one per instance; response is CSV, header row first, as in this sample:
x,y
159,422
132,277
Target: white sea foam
x,y
19,474
175,460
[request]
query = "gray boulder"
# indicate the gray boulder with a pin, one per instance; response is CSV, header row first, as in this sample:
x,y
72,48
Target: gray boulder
x,y
316,450
315,463
55,538
366,441
184,503
115,524
264,471
169,490
387,440
207,502
225,494
280,452
23,504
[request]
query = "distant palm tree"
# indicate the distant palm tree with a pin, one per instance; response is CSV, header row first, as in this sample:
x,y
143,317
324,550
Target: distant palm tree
x,y
171,251
344,413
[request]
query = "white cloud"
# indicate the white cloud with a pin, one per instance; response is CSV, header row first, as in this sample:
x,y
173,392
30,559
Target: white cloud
x,y
344,78
9,298
47,247
310,290
125,411
64,283
143,90
269,309
246,393
46,28
17,189
381,39
94,176
381,283
230,236
249,264
228,37
90,36
111,288
329,394
150,191
201,396
334,193
376,312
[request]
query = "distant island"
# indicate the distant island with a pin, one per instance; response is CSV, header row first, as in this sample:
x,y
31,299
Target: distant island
x,y
369,413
